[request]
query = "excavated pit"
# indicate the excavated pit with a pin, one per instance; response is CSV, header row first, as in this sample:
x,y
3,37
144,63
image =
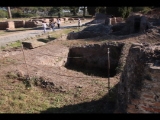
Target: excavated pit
x,y
93,59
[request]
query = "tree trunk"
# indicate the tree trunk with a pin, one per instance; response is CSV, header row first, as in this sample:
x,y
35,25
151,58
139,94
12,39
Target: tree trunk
x,y
84,11
9,12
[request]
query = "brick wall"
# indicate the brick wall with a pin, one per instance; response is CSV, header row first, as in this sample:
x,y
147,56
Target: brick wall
x,y
54,19
139,90
3,25
65,19
19,24
47,20
29,24
9,25
119,19
61,19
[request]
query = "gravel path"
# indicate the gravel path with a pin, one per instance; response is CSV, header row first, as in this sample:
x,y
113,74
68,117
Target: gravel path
x,y
5,39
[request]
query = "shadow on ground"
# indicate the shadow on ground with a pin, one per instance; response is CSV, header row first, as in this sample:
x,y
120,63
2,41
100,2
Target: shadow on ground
x,y
46,40
103,105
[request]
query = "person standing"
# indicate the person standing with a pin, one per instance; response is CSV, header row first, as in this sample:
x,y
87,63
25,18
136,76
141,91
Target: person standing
x,y
52,25
79,22
44,26
58,23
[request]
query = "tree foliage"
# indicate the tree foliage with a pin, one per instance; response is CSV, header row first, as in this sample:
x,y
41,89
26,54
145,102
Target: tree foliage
x,y
91,10
74,10
119,11
3,14
142,9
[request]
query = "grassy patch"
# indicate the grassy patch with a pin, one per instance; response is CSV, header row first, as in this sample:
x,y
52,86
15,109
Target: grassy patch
x,y
16,44
58,34
15,98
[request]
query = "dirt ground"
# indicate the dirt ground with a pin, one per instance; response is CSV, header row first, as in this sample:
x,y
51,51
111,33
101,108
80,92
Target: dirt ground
x,y
47,62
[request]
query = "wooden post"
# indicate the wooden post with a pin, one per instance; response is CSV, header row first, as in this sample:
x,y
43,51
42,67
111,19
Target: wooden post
x,y
108,71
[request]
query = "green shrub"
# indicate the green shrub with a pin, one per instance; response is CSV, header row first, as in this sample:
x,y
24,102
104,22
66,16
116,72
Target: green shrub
x,y
3,14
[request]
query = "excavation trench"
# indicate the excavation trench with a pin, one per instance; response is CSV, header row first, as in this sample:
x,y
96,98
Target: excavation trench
x,y
93,59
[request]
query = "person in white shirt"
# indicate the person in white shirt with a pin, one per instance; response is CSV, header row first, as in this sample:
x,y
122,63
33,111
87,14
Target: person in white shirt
x,y
79,22
44,26
58,23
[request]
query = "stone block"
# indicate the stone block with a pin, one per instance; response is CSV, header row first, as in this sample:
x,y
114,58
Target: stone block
x,y
32,44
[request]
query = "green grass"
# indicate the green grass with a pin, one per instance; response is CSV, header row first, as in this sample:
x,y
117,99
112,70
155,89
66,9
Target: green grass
x,y
16,44
59,33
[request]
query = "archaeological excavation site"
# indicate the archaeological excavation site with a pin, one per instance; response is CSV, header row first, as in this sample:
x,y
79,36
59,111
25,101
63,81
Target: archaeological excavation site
x,y
125,53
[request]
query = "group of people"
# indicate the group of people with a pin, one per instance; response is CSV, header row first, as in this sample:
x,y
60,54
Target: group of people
x,y
52,24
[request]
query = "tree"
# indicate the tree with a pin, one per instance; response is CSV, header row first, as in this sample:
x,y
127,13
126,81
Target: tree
x,y
9,12
84,11
125,11
74,10
119,11
3,14
91,10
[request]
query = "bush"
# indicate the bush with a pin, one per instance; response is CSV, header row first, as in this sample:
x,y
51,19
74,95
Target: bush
x,y
3,14
141,9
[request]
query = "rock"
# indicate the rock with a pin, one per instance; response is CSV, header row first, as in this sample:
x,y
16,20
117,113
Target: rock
x,y
32,44
136,44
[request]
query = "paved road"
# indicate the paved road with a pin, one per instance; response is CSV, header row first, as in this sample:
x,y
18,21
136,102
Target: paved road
x,y
23,35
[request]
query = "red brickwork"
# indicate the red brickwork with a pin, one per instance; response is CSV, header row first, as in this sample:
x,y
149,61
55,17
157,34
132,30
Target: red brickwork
x,y
19,24
29,24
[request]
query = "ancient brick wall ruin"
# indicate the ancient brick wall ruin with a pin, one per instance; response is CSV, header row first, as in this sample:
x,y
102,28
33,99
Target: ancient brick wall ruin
x,y
139,90
7,25
19,24
3,25
29,24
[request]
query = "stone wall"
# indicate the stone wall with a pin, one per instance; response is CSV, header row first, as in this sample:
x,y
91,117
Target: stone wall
x,y
139,90
11,25
54,19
